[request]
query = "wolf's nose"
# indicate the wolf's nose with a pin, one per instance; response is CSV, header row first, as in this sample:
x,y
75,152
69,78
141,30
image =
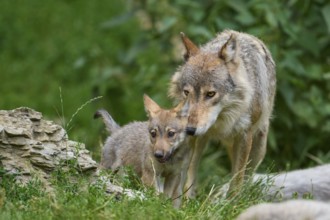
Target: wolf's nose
x,y
159,154
190,130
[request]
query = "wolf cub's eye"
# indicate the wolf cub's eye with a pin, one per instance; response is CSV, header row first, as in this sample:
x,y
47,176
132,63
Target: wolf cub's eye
x,y
186,92
210,94
153,133
170,134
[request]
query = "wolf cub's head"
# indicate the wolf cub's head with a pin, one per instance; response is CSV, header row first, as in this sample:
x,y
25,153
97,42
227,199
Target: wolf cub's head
x,y
166,129
205,81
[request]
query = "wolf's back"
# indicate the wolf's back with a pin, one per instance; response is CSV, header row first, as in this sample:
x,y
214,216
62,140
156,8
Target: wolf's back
x,y
257,61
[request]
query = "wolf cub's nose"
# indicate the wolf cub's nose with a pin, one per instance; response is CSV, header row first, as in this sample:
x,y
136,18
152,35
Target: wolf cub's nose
x,y
159,154
190,130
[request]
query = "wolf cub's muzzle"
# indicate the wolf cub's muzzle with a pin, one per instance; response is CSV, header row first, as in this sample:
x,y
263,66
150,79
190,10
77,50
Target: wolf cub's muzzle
x,y
161,156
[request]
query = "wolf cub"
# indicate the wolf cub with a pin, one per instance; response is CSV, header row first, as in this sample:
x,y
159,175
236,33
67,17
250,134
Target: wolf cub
x,y
155,148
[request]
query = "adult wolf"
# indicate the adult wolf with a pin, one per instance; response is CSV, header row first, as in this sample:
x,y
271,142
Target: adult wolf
x,y
229,85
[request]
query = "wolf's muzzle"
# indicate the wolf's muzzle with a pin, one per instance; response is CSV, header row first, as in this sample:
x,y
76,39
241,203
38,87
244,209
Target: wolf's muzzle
x,y
190,131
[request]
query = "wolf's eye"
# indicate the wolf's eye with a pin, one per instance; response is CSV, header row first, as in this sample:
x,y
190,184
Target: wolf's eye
x,y
153,133
186,92
170,134
210,94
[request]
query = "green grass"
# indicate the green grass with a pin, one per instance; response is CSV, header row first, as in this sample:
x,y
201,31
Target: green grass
x,y
74,197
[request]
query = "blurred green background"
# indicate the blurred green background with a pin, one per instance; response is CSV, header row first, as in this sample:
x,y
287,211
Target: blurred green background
x,y
57,55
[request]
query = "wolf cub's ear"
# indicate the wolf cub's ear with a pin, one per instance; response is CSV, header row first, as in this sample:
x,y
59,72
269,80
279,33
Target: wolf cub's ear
x,y
191,48
228,51
150,106
181,109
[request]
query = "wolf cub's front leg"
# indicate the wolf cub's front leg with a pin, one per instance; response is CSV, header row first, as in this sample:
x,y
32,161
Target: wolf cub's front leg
x,y
173,188
150,179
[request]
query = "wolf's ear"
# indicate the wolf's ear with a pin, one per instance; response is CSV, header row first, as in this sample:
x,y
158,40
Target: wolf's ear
x,y
228,51
191,48
150,106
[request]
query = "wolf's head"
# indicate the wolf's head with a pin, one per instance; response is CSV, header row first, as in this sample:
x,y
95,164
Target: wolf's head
x,y
166,129
205,82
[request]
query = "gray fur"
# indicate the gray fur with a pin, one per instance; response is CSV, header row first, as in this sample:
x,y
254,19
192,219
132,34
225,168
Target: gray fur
x,y
110,124
132,145
289,210
128,146
240,71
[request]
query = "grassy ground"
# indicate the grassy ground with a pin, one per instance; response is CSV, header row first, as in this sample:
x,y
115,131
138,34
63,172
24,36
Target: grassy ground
x,y
81,200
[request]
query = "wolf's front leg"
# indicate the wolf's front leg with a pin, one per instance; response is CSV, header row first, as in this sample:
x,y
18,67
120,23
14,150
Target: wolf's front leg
x,y
197,144
240,155
258,149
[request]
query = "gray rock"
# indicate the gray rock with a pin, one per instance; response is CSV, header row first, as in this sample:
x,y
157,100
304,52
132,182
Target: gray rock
x,y
291,210
31,146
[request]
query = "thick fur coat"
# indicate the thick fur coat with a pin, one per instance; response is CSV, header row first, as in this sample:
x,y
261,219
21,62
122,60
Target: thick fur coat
x,y
229,85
